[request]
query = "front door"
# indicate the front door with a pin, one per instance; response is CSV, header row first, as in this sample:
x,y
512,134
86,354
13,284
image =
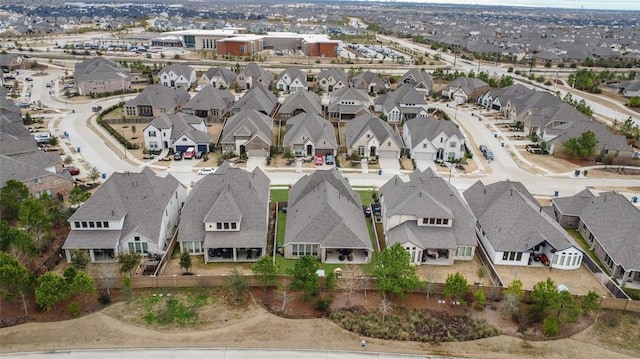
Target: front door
x,y
372,151
440,154
242,149
309,150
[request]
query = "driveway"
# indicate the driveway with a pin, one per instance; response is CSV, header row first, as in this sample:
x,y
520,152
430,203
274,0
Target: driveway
x,y
424,164
389,165
253,162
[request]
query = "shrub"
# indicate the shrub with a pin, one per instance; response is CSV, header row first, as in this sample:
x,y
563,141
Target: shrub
x,y
550,326
104,299
323,305
480,299
74,309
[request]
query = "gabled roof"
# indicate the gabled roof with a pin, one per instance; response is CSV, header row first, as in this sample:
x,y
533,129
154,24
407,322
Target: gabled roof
x,y
324,209
337,74
307,101
178,69
606,139
158,96
429,128
340,100
612,219
99,68
294,73
26,169
222,72
247,123
512,219
225,195
417,78
256,72
257,98
357,127
403,95
310,126
427,195
467,84
181,125
138,198
210,98
367,77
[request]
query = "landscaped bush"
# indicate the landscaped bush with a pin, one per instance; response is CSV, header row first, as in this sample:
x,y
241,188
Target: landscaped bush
x,y
74,309
414,325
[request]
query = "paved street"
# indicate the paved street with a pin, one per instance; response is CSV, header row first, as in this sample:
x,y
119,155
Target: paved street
x,y
211,354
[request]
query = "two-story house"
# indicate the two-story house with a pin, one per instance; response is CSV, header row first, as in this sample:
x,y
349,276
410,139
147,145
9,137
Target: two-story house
x,y
428,138
177,76
402,104
254,74
465,89
226,216
331,79
418,79
178,132
99,75
248,131
428,217
292,79
210,103
218,77
130,212
347,103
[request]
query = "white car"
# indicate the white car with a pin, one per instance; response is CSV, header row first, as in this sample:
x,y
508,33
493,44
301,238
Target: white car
x,y
206,171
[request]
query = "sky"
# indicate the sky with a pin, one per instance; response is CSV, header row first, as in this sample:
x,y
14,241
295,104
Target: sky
x,y
633,5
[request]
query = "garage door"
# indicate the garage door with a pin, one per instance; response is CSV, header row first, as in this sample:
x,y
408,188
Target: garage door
x,y
182,148
203,148
388,154
324,152
424,156
256,153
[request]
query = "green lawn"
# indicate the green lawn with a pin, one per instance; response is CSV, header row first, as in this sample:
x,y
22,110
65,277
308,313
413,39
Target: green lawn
x,y
282,222
279,195
365,196
585,247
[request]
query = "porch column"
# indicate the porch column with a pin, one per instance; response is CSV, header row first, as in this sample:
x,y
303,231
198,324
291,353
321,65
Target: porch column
x,y
92,255
67,253
235,254
625,277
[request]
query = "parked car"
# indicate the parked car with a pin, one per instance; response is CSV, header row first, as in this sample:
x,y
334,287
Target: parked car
x,y
9,77
42,138
482,148
177,156
199,154
74,171
148,156
488,154
206,171
29,78
189,153
319,160
329,159
96,108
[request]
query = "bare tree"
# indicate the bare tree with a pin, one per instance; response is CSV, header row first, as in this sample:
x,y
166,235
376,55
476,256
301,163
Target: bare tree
x,y
351,279
429,284
283,295
108,277
364,282
385,307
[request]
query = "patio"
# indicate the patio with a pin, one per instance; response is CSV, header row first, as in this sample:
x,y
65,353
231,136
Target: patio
x,y
347,256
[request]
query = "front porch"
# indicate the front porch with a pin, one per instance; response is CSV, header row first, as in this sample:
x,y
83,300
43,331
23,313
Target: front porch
x,y
219,255
348,256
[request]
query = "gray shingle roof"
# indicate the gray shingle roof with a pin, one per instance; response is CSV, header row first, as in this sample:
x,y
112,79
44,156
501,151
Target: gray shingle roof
x,y
255,71
294,73
310,126
180,124
612,219
158,96
427,195
179,69
337,74
210,98
323,209
100,68
247,122
139,199
222,72
402,96
306,101
512,219
14,168
417,78
467,84
225,195
257,98
429,128
359,98
359,125
606,139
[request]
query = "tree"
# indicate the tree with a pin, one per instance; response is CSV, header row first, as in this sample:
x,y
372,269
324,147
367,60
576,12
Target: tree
x,y
628,128
481,299
185,261
393,271
69,274
456,286
305,277
429,284
83,284
581,147
35,221
331,282
80,258
568,308
590,302
51,289
545,299
128,262
127,289
265,270
16,241
94,174
351,279
634,101
16,282
385,306
78,196
133,130
284,296
237,285
11,197
550,326
481,272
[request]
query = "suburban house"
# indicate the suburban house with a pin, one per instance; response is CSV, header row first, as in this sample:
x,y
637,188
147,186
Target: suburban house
x,y
300,102
226,216
429,138
248,131
177,76
99,75
11,61
178,132
309,134
428,217
610,224
254,74
609,143
347,103
369,136
40,172
130,212
630,89
210,103
402,104
218,77
325,219
418,79
258,98
496,99
292,79
156,100
15,138
369,82
514,229
331,79
465,89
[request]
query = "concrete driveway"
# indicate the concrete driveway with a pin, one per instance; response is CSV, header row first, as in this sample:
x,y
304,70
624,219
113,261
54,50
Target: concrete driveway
x,y
253,162
389,165
424,164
